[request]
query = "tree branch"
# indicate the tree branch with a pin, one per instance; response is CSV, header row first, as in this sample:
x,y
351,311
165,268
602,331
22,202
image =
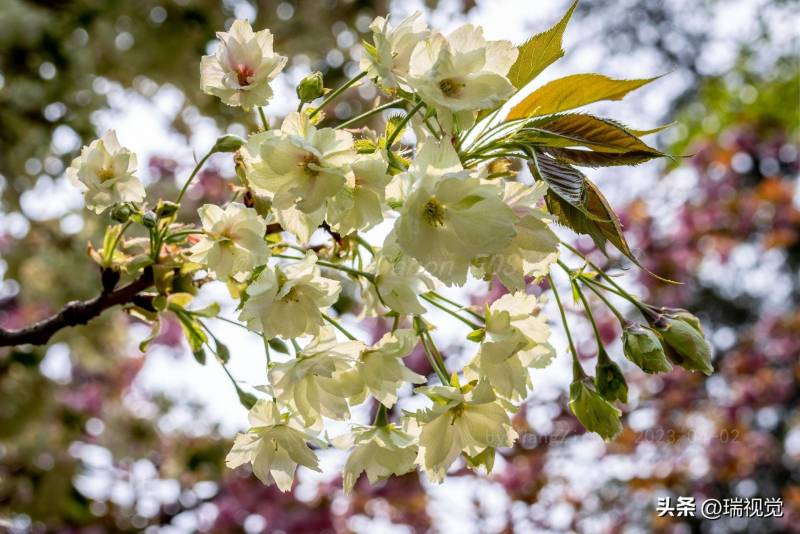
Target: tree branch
x,y
76,313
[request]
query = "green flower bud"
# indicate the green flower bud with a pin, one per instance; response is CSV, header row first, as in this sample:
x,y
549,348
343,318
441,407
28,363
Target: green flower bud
x,y
166,208
121,213
311,87
643,347
610,381
477,335
228,143
689,348
149,219
684,315
594,412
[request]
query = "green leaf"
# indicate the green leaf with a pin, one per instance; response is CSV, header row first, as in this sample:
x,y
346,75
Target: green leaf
x,y
578,129
153,333
193,331
573,92
539,52
109,240
212,310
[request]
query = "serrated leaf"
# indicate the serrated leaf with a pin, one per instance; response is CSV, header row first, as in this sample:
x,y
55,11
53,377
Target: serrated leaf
x,y
573,92
592,158
578,129
539,52
604,227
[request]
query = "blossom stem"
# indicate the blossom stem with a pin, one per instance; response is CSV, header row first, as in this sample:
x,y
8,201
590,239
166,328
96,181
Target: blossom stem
x,y
339,327
328,99
364,243
401,125
421,329
589,313
266,349
577,369
109,254
358,118
296,346
457,305
336,266
608,304
191,176
264,121
464,320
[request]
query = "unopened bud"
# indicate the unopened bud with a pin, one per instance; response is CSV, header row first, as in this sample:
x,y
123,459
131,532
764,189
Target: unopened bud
x,y
610,381
121,213
643,347
311,87
689,348
166,208
594,412
149,219
477,335
228,143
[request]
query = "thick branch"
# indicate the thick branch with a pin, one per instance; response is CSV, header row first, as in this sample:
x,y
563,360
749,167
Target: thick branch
x,y
75,313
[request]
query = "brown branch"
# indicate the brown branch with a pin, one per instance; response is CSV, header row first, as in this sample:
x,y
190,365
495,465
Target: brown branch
x,y
76,312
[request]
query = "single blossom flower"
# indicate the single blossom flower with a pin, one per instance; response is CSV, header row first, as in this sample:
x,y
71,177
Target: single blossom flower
x,y
233,240
239,72
398,282
359,204
272,446
451,219
516,340
380,451
287,301
462,73
387,60
105,171
534,247
472,421
312,383
303,167
379,369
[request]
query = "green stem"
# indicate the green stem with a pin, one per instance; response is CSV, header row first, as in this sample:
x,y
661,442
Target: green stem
x,y
328,99
451,312
266,349
366,114
577,369
264,121
589,313
296,346
191,176
339,327
614,310
457,305
324,263
240,325
402,124
109,254
364,243
441,372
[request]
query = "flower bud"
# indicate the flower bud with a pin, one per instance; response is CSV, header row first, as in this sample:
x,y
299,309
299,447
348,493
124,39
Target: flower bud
x,y
311,87
610,381
689,348
166,208
149,219
684,315
121,213
594,412
228,143
643,347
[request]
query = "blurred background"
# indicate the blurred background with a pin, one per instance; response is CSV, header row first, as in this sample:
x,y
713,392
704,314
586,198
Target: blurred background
x,y
97,437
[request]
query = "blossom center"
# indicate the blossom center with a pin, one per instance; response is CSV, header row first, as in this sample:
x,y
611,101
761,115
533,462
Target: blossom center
x,y
451,87
306,163
104,174
434,212
243,74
